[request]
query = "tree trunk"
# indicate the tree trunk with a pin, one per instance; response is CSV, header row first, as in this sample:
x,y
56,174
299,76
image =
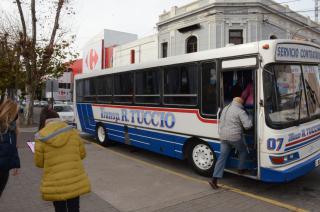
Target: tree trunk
x,y
12,93
28,113
2,98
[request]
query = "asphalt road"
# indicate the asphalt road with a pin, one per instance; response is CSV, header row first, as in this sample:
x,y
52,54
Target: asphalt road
x,y
303,192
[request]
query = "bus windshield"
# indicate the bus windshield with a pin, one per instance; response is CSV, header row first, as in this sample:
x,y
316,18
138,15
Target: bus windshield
x,y
292,93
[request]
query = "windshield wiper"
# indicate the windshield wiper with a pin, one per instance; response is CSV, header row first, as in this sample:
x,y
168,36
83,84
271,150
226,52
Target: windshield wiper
x,y
300,107
313,95
300,95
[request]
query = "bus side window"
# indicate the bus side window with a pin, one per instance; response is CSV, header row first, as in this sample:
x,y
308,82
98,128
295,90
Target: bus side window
x,y
79,90
147,85
89,90
181,84
104,89
209,88
123,87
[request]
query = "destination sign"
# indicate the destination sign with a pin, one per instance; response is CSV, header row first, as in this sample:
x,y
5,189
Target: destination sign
x,y
296,52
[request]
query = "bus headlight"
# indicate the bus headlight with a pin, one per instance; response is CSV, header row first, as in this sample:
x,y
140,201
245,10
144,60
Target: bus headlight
x,y
277,160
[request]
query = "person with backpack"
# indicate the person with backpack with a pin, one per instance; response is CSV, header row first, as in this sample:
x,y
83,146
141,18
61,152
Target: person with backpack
x,y
9,157
59,150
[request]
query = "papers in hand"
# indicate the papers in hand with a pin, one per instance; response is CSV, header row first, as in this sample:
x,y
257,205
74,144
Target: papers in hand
x,y
31,145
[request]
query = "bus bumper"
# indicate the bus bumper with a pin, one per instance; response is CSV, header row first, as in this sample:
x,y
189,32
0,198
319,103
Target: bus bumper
x,y
275,176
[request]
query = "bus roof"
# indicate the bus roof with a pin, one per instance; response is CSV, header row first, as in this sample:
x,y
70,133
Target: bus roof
x,y
224,52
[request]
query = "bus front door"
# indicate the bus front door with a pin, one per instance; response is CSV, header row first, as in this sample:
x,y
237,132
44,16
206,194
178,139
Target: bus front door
x,y
241,83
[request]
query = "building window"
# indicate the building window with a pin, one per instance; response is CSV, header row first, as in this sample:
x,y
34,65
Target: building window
x,y
273,37
132,56
164,48
236,37
192,44
64,85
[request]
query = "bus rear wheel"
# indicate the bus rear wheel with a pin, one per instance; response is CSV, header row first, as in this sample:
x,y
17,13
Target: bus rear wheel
x,y
101,135
201,158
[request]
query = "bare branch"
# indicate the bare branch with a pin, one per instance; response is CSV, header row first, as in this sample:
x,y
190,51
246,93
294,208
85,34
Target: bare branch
x,y
56,22
34,23
34,36
50,49
23,23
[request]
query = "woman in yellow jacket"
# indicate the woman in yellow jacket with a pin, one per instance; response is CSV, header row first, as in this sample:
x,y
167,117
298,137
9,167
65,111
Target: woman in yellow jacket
x,y
59,150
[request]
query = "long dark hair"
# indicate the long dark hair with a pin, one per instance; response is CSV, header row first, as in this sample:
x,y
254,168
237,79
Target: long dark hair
x,y
45,114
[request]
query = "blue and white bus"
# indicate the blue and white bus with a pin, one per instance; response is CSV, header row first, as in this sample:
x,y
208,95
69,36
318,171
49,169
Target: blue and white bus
x,y
171,106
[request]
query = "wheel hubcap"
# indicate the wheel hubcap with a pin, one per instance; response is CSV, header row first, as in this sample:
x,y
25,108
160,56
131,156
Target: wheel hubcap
x,y
202,156
101,134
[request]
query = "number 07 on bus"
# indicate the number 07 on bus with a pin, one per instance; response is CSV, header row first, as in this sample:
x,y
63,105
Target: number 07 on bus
x,y
172,106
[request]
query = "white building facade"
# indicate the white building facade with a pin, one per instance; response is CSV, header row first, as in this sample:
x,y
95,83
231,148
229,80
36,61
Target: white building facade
x,y
60,89
139,51
209,24
98,51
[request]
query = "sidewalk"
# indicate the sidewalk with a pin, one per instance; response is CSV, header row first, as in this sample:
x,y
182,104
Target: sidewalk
x,y
22,191
123,184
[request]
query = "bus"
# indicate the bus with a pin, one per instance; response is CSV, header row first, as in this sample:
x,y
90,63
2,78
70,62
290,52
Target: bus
x,y
172,106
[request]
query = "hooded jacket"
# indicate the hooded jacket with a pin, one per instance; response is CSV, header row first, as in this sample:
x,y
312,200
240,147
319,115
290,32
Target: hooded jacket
x,y
59,150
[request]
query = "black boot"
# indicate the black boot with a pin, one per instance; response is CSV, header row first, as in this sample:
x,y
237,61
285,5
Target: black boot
x,y
214,183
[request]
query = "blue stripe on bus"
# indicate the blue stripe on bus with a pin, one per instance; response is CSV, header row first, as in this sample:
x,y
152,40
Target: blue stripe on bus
x,y
157,141
79,111
115,132
175,139
90,117
270,175
305,143
87,122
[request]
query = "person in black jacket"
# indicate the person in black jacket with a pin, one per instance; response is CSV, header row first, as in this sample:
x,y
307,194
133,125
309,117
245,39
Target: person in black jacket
x,y
9,158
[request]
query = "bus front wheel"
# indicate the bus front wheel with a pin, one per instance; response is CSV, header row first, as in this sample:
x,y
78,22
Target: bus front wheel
x,y
101,135
201,158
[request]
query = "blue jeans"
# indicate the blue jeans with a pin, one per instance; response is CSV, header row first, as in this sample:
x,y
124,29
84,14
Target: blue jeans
x,y
225,149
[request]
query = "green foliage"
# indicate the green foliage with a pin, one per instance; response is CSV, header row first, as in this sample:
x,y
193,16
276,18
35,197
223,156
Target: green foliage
x,y
41,49
11,72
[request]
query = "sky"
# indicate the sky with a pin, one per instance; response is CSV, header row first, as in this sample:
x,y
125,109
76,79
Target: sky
x,y
138,16
133,16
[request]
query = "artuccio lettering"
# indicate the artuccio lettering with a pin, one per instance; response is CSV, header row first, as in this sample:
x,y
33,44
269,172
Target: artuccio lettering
x,y
158,119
